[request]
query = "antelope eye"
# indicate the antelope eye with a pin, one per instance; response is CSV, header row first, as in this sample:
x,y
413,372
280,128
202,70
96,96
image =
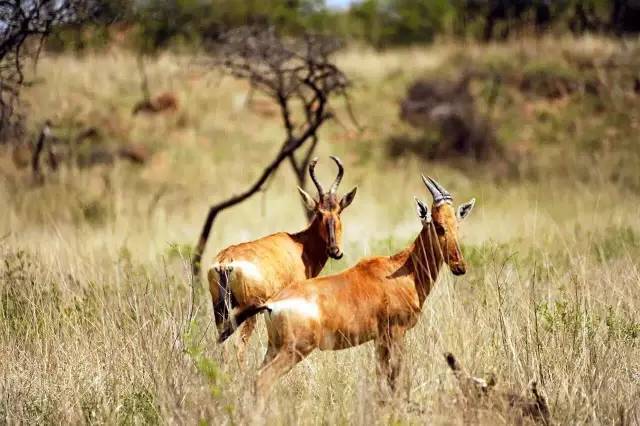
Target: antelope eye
x,y
439,228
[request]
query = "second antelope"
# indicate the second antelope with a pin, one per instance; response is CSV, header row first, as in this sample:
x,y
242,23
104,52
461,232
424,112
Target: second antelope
x,y
378,299
250,273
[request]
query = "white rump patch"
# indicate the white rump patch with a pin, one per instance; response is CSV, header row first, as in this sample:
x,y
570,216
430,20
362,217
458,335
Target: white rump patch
x,y
299,306
249,269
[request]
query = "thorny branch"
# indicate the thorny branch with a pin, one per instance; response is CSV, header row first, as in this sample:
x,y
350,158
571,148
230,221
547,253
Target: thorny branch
x,y
293,72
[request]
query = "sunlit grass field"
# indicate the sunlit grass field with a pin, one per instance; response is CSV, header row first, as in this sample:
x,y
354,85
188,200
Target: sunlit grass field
x,y
99,322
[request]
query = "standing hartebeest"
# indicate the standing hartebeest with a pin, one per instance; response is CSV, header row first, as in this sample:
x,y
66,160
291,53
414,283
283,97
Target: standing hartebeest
x,y
251,272
379,299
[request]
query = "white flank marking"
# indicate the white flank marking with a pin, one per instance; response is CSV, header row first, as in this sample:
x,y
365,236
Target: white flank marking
x,y
300,306
249,269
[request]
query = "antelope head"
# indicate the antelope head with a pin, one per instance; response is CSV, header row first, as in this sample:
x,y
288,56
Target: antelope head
x,y
327,209
444,220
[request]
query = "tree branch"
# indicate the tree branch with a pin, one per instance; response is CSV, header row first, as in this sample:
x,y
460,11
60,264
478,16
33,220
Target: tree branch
x,y
21,22
283,69
236,199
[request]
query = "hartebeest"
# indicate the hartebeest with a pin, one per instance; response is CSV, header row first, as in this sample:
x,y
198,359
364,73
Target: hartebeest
x,y
249,273
378,299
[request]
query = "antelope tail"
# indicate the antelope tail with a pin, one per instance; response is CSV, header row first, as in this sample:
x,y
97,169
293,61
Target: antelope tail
x,y
455,366
237,318
465,379
452,361
222,306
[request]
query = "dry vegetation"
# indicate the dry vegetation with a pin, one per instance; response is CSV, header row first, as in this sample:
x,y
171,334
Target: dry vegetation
x,y
98,322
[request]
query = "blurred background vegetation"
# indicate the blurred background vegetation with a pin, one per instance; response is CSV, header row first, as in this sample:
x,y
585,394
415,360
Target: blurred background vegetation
x,y
381,23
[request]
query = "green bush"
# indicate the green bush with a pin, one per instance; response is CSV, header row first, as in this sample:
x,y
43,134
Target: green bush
x,y
393,22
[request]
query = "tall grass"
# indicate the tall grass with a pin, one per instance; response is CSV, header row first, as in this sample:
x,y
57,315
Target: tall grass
x,y
99,322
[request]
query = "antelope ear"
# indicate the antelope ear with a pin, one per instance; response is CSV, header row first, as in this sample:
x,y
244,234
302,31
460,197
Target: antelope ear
x,y
423,211
348,199
309,202
465,209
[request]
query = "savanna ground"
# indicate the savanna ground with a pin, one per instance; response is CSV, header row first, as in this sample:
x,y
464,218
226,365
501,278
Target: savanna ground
x,y
99,322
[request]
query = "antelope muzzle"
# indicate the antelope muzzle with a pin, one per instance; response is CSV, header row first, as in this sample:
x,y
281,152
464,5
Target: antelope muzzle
x,y
458,268
334,252
333,249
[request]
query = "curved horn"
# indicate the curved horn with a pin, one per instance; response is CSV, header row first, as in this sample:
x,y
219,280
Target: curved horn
x,y
334,185
312,173
435,193
443,191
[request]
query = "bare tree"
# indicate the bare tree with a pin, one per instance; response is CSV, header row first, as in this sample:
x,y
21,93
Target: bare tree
x,y
294,73
24,24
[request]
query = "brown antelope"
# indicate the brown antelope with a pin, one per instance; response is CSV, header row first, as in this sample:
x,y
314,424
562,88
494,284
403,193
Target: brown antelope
x,y
249,273
378,299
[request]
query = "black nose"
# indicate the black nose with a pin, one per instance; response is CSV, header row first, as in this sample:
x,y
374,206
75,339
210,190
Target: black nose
x,y
334,253
458,269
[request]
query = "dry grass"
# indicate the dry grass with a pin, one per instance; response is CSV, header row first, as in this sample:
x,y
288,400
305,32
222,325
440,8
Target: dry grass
x,y
98,322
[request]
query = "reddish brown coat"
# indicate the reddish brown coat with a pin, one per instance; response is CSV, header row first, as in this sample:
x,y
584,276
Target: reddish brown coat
x,y
251,272
379,299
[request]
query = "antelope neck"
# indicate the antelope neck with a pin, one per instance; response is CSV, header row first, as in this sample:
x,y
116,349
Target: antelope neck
x,y
314,249
423,259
